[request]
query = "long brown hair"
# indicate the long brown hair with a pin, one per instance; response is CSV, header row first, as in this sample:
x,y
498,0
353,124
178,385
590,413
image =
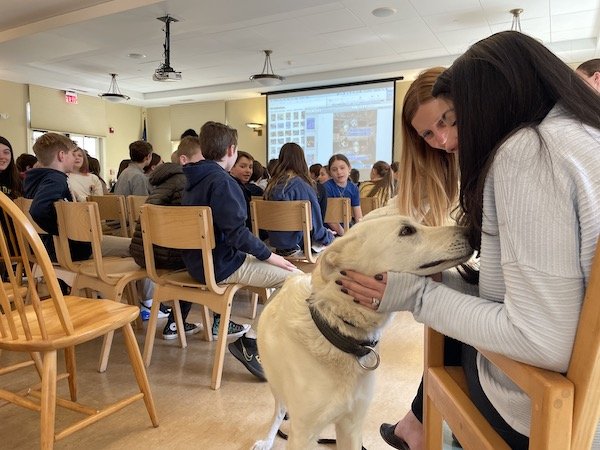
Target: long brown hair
x,y
428,182
384,183
291,163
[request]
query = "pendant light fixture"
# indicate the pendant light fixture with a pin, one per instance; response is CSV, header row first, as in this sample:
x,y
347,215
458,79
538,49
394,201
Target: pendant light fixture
x,y
516,19
114,94
268,76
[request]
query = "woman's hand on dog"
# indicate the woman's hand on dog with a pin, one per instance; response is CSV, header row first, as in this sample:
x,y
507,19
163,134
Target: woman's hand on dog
x,y
363,288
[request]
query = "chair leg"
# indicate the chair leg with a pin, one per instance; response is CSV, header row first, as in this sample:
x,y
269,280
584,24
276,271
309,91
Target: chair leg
x,y
48,401
71,367
140,372
132,299
217,371
206,323
433,421
151,330
180,328
253,305
105,351
116,294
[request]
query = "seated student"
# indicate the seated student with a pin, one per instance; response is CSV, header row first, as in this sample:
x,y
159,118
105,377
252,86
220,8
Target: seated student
x,y
315,174
48,184
24,163
155,161
132,180
380,185
339,186
168,182
242,172
291,181
355,176
260,176
238,256
94,166
10,181
81,181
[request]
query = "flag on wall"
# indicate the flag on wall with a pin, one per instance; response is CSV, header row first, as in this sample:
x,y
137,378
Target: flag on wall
x,y
144,131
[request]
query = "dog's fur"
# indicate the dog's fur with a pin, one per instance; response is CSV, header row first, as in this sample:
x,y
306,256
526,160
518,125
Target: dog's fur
x,y
316,383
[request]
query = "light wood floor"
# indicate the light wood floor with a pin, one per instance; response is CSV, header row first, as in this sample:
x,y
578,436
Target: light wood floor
x,y
192,416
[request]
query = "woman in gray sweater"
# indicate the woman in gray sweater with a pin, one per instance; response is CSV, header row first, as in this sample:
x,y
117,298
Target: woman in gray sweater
x,y
529,152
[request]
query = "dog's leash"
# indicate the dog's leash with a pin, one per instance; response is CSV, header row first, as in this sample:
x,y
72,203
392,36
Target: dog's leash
x,y
345,343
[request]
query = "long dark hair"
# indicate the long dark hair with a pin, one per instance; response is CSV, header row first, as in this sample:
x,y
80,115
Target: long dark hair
x,y
502,84
291,163
9,178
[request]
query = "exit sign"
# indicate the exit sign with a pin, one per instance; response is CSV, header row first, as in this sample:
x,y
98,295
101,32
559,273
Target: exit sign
x,y
71,97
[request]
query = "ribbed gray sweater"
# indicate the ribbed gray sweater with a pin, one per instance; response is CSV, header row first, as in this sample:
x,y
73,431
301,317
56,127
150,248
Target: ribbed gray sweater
x,y
541,221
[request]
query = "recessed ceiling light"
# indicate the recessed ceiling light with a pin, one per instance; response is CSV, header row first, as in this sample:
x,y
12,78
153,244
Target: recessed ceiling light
x,y
384,11
136,55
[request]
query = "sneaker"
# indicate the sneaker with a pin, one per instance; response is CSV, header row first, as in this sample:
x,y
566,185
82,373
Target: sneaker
x,y
246,352
170,331
234,329
289,252
145,306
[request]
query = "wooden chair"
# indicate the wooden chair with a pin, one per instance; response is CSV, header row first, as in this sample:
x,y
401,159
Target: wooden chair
x,y
339,211
134,203
368,204
565,408
80,221
286,216
194,231
113,214
59,323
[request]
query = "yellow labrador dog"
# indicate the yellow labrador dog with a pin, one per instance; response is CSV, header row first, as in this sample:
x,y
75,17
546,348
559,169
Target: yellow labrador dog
x,y
317,346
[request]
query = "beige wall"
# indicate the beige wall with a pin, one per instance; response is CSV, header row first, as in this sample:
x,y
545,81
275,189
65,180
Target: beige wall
x,y
241,112
158,122
14,128
126,123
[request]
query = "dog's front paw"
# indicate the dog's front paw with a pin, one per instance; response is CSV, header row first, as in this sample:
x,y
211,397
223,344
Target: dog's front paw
x,y
263,445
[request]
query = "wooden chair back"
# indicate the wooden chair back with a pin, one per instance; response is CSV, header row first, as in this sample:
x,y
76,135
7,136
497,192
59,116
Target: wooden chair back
x,y
194,227
16,325
134,203
339,211
113,213
80,221
284,216
368,204
565,409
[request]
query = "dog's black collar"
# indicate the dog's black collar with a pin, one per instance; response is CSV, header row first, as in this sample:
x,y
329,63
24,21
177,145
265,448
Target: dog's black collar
x,y
346,344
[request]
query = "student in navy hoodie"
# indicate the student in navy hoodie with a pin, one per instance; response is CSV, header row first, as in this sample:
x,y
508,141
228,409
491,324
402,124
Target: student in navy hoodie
x,y
239,256
48,184
291,181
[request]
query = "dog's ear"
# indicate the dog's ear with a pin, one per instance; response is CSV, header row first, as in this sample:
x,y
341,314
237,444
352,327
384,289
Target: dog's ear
x,y
337,256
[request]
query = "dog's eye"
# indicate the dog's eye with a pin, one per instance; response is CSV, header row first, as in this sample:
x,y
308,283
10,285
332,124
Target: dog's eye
x,y
407,230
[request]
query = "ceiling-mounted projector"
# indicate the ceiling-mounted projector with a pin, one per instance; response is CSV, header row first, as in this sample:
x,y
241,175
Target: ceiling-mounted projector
x,y
165,72
162,74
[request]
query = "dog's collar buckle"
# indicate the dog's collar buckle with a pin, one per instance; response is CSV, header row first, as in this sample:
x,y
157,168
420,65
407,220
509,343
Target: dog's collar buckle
x,y
373,352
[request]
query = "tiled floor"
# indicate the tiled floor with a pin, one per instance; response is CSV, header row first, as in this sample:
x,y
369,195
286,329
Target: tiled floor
x,y
192,416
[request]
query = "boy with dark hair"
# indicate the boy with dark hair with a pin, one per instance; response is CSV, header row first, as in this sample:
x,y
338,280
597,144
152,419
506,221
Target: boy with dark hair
x,y
168,182
132,180
48,184
238,256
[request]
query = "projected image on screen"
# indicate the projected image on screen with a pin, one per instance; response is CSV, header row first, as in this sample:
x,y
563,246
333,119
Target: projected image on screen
x,y
354,120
